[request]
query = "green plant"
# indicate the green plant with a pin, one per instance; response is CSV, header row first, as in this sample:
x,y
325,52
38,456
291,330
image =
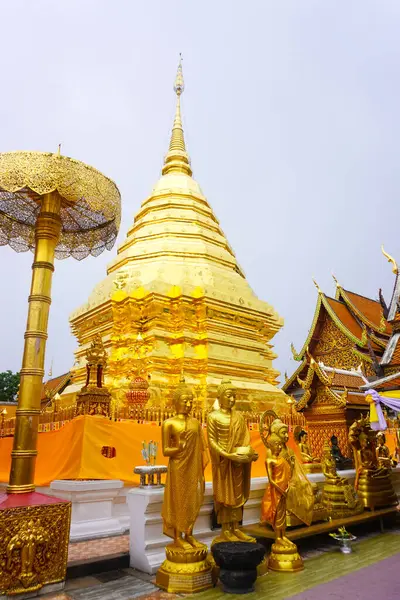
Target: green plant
x,y
342,534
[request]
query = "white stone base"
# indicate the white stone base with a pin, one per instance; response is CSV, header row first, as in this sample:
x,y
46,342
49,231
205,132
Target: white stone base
x,y
100,509
93,513
147,541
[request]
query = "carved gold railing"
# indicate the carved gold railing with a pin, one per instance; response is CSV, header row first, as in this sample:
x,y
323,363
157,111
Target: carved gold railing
x,y
54,420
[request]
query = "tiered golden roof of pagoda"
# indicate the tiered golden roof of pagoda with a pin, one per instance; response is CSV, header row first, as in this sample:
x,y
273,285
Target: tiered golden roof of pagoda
x,y
177,238
177,281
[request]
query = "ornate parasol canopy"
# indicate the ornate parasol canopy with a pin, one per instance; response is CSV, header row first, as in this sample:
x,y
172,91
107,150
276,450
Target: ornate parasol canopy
x,y
90,203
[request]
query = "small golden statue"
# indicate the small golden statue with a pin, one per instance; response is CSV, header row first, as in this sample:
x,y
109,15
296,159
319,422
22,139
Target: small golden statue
x,y
339,497
300,505
231,458
383,453
284,555
186,568
373,483
311,464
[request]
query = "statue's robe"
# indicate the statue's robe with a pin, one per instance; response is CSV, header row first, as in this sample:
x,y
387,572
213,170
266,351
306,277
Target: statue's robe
x,y
231,480
185,484
273,505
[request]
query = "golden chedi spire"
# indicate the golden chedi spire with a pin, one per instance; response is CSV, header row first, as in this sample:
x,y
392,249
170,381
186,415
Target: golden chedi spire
x,y
177,159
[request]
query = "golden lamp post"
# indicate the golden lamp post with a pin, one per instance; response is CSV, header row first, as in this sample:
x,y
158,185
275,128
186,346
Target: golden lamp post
x,y
57,207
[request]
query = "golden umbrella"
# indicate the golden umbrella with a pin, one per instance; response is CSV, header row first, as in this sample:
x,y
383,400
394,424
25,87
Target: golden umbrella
x,y
58,207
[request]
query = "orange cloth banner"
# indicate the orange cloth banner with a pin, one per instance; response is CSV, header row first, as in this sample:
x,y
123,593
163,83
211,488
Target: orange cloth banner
x,y
76,451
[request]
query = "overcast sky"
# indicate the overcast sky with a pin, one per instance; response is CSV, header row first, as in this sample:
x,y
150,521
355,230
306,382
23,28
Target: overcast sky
x,y
291,116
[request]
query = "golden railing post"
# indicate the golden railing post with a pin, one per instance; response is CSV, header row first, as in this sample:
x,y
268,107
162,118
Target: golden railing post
x,y
47,232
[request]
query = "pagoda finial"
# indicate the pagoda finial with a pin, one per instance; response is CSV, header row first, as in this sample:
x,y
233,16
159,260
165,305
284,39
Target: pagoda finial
x,y
391,260
177,159
336,281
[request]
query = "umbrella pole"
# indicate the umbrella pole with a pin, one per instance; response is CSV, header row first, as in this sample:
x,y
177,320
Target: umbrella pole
x,y
23,456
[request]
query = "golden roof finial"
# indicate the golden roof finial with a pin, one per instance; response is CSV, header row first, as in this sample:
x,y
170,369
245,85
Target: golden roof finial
x,y
336,281
177,159
317,286
391,260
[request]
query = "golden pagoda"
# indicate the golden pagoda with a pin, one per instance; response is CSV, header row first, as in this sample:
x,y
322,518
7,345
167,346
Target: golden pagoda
x,y
176,300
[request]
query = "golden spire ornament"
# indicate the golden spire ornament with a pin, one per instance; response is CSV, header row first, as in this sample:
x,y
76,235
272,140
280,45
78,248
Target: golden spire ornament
x,y
177,159
57,207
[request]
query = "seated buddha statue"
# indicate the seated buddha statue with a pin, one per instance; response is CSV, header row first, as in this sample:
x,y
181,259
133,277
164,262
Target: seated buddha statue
x,y
311,464
338,496
373,483
383,453
341,461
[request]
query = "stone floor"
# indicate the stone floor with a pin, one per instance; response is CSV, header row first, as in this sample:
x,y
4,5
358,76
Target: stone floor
x,y
370,573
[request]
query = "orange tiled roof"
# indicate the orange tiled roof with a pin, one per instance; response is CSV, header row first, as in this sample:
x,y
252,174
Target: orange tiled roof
x,y
52,386
371,309
390,385
348,380
395,360
357,399
345,316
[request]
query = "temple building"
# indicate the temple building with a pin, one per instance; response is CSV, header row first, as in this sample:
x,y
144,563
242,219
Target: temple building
x,y
175,300
343,349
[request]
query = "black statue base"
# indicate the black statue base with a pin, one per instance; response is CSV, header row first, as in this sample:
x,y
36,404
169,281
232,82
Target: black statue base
x,y
238,562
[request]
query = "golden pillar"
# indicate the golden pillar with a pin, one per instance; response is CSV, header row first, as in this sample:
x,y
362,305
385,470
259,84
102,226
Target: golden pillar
x,y
47,233
57,207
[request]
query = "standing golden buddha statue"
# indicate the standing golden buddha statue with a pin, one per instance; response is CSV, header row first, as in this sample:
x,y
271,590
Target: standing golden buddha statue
x,y
284,555
300,501
231,458
186,568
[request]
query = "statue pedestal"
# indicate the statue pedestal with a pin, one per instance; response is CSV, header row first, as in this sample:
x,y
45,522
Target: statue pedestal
x,y
147,541
92,507
185,571
33,544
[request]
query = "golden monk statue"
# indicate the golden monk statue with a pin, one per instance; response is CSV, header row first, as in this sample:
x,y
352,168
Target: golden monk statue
x,y
339,497
383,453
300,501
231,458
183,442
284,555
311,464
186,568
373,483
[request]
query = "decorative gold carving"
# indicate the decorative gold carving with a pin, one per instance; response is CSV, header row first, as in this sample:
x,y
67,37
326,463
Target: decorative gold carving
x,y
94,398
391,260
33,546
323,428
295,354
